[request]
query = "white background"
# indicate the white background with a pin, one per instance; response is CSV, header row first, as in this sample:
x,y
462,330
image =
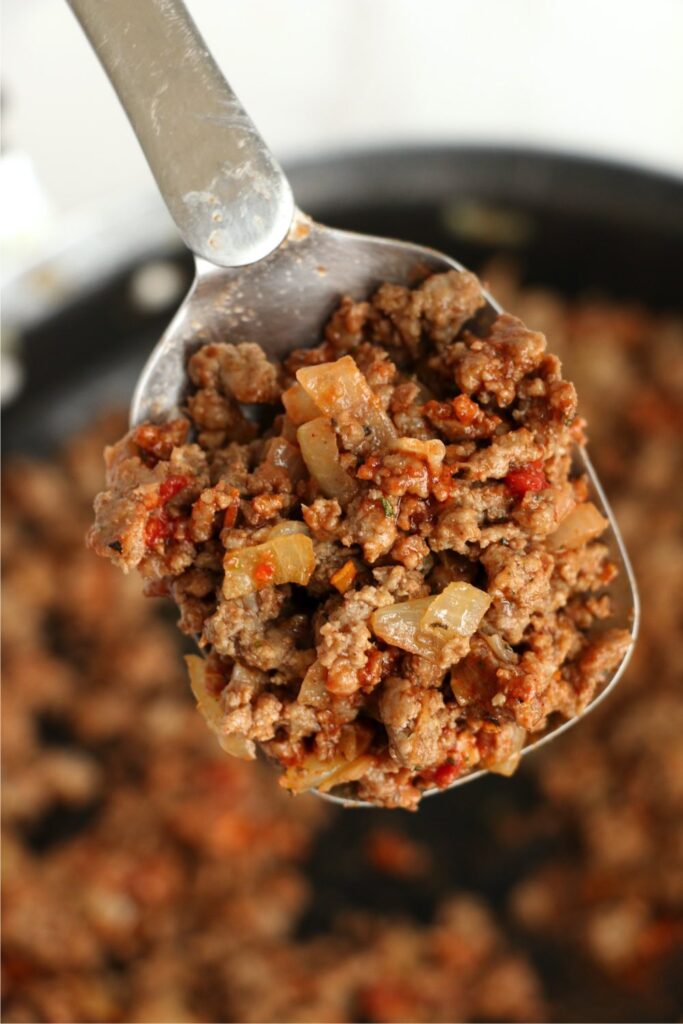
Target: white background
x,y
592,76
600,76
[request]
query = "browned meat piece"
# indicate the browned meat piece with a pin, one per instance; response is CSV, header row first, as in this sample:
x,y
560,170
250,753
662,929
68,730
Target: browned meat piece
x,y
519,584
437,309
246,373
600,658
415,721
345,639
492,368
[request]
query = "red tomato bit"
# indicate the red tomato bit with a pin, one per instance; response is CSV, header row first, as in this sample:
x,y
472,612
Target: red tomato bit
x,y
527,478
465,409
369,467
230,517
444,775
264,572
171,486
157,529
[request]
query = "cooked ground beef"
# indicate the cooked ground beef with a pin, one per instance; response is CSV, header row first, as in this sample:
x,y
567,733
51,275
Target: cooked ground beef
x,y
614,788
147,877
397,577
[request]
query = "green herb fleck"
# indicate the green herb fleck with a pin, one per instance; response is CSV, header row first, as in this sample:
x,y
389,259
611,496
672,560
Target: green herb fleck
x,y
388,508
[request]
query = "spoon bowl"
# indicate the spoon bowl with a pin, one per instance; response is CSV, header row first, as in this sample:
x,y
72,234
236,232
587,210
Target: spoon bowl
x,y
282,303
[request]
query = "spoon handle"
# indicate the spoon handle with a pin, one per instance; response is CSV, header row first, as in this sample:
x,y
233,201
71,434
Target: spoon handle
x,y
225,191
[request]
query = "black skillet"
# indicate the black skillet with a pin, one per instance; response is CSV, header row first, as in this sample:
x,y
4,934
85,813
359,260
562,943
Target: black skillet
x,y
570,223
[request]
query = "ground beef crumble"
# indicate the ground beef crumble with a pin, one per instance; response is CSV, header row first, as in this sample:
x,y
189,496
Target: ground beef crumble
x,y
413,453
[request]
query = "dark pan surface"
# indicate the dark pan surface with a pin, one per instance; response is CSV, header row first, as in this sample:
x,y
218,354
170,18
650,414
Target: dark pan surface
x,y
570,224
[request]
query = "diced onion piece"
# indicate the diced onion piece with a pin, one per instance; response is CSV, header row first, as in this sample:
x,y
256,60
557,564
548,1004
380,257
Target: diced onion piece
x,y
236,744
243,675
313,692
288,559
318,443
310,772
287,527
299,405
340,389
399,625
209,705
355,739
515,738
456,611
584,523
433,452
500,648
280,454
351,772
425,625
471,679
313,773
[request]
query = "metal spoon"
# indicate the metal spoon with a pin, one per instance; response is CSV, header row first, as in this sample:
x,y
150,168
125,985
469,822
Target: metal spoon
x,y
264,271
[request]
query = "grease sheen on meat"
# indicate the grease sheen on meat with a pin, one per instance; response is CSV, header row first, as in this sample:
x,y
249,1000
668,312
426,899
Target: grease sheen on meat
x,y
399,578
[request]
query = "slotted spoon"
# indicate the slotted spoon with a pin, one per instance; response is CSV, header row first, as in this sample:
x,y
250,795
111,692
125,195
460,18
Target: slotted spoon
x,y
264,271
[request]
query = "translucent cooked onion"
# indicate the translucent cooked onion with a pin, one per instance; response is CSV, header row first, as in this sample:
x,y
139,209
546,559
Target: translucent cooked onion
x,y
583,524
288,526
471,679
399,625
209,705
299,405
351,771
500,648
310,773
318,442
288,559
456,611
313,691
237,745
433,452
313,773
425,625
280,454
340,390
515,738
